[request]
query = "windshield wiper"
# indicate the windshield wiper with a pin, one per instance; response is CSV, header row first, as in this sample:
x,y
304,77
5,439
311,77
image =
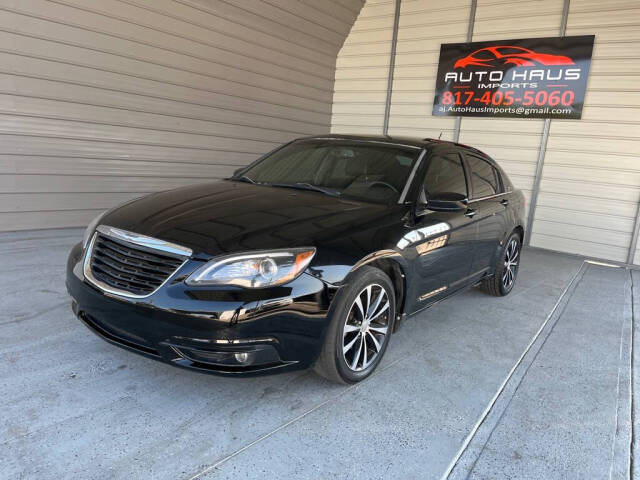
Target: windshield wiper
x,y
306,186
242,178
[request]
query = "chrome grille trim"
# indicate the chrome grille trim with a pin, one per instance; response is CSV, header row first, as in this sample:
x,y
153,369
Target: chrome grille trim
x,y
153,244
139,242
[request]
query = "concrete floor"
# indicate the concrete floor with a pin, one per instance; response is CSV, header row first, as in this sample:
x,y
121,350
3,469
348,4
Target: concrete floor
x,y
534,385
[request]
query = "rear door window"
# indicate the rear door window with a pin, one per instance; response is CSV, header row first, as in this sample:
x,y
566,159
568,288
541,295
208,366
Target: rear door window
x,y
485,180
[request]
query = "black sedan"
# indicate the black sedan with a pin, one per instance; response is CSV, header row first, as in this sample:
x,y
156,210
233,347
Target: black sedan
x,y
310,256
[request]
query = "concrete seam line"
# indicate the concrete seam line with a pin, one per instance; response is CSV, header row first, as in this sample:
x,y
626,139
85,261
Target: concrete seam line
x,y
290,422
632,440
495,397
623,408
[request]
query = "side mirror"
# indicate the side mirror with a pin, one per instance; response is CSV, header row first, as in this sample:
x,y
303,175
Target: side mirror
x,y
447,202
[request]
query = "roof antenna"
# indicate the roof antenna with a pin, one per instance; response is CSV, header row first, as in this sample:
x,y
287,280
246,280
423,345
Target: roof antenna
x,y
440,136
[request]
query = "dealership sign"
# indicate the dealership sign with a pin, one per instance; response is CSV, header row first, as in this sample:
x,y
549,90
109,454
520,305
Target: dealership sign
x,y
528,78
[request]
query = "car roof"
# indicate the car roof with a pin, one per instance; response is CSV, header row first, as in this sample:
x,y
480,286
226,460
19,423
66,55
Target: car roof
x,y
415,142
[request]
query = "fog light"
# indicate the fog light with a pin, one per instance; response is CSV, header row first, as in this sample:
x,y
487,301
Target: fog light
x,y
243,357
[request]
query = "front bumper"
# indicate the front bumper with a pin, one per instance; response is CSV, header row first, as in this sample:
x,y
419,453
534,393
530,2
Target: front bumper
x,y
217,330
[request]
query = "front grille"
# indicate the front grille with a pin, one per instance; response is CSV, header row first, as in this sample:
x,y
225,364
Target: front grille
x,y
129,268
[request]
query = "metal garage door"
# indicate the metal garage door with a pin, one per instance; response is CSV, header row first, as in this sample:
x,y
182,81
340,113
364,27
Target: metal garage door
x,y
590,177
105,100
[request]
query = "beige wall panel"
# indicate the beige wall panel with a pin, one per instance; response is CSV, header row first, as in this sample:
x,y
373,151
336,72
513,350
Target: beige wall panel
x,y
77,112
336,9
346,108
51,165
615,222
592,160
125,104
102,100
612,98
369,44
448,30
361,99
262,18
72,75
255,87
489,10
168,50
19,145
30,202
361,72
29,220
84,184
376,60
578,246
608,33
601,191
593,144
582,203
167,23
595,235
357,120
419,6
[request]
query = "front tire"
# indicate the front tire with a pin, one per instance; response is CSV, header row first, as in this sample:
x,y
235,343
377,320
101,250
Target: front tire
x,y
361,321
504,276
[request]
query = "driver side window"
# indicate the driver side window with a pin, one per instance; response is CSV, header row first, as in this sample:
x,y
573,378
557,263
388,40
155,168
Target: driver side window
x,y
445,177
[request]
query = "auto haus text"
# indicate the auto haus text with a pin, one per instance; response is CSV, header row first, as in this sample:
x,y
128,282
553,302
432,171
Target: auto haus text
x,y
514,78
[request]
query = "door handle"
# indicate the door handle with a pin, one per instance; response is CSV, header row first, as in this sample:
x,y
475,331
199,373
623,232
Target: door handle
x,y
470,212
504,202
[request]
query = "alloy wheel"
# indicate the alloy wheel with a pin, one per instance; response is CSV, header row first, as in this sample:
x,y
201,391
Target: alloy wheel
x,y
510,264
366,327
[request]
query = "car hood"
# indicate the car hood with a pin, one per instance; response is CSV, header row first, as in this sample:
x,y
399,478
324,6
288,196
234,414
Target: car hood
x,y
228,216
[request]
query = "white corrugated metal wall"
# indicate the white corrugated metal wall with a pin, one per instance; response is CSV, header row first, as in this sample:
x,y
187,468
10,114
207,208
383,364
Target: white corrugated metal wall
x,y
105,100
590,183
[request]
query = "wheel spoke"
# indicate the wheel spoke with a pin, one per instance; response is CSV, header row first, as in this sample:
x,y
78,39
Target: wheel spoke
x,y
358,302
380,330
365,362
368,298
349,345
349,328
376,304
382,310
356,357
376,343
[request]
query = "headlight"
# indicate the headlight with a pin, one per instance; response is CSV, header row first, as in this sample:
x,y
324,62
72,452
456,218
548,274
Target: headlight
x,y
91,228
255,269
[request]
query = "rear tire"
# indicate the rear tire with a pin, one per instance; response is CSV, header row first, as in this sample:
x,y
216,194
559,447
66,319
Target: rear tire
x,y
361,322
504,275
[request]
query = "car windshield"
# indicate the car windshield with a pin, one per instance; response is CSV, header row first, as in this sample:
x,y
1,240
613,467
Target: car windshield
x,y
364,171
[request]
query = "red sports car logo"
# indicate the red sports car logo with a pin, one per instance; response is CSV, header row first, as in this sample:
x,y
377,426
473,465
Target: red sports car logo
x,y
510,55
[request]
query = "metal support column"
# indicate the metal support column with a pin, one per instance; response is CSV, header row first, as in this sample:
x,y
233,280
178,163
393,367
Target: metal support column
x,y
543,144
392,65
472,21
634,238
